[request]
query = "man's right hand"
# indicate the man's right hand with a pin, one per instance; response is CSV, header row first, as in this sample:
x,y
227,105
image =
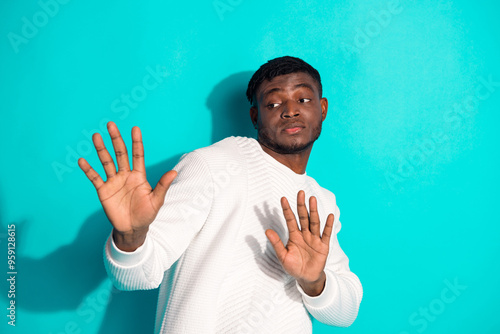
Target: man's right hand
x,y
128,200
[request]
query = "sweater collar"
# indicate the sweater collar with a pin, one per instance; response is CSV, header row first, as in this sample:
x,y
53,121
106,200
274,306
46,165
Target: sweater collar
x,y
283,168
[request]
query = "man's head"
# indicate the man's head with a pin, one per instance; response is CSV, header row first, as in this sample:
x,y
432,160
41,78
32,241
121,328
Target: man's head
x,y
287,104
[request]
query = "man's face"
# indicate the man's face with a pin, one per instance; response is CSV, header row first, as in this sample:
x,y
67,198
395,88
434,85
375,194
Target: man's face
x,y
289,113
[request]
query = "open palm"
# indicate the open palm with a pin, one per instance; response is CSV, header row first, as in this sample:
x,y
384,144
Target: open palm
x,y
128,200
306,251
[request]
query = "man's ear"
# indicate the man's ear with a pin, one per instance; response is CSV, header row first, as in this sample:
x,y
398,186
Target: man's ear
x,y
324,107
254,115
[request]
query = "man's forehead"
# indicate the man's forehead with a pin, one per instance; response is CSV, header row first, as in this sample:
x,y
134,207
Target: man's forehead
x,y
294,80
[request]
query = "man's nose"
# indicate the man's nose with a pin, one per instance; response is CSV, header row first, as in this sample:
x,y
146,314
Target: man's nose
x,y
290,109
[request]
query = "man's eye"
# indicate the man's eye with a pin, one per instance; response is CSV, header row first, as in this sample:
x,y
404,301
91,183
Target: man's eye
x,y
273,105
305,100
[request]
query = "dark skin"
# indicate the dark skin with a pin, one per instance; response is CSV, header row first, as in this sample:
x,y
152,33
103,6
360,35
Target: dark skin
x,y
294,101
131,204
289,99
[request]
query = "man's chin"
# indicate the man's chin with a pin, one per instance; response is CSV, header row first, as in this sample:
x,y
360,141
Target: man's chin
x,y
293,146
288,144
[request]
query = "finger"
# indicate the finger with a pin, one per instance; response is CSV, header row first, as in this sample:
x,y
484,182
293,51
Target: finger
x,y
161,188
106,159
302,211
314,225
90,173
277,244
327,231
137,150
291,223
119,146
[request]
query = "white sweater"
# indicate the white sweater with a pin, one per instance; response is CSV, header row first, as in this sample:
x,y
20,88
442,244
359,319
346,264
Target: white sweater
x,y
207,248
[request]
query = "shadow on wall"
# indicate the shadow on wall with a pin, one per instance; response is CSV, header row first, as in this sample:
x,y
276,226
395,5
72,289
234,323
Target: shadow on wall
x,y
67,278
230,108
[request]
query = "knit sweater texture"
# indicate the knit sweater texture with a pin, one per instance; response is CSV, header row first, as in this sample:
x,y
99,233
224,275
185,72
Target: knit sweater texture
x,y
208,252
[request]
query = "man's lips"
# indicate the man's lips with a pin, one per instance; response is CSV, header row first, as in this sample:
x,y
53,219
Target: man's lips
x,y
293,128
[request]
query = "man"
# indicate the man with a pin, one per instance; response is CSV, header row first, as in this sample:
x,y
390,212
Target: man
x,y
223,242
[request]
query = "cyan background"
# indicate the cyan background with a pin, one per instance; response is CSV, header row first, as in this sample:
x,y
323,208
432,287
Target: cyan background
x,y
408,148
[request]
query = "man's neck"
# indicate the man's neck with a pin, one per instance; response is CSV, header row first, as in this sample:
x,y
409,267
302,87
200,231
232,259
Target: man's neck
x,y
295,161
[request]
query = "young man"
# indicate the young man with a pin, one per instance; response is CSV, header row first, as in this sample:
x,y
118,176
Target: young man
x,y
223,243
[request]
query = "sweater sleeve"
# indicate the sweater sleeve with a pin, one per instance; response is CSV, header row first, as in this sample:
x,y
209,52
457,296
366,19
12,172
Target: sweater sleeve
x,y
186,207
338,303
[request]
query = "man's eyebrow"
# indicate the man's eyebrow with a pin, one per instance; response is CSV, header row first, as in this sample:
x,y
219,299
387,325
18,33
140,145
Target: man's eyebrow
x,y
267,92
277,89
306,85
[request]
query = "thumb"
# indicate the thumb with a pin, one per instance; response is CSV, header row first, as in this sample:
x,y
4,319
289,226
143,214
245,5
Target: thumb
x,y
162,186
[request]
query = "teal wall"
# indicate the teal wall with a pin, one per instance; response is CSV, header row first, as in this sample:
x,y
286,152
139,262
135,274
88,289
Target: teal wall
x,y
409,146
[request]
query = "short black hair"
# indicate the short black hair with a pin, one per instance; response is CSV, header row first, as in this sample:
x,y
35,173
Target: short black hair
x,y
280,66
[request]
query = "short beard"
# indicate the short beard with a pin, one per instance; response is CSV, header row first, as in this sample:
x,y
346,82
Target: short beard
x,y
293,148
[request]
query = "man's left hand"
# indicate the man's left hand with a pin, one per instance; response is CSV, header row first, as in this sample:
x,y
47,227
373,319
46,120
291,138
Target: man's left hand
x,y
306,251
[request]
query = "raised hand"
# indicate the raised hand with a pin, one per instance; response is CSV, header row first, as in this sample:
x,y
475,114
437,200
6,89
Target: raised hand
x,y
128,200
306,251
